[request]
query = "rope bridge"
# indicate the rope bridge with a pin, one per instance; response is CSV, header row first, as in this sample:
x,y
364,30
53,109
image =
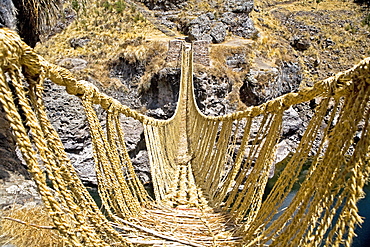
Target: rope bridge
x,y
209,173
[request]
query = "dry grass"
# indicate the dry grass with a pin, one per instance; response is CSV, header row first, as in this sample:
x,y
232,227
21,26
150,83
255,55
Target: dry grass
x,y
20,235
42,12
111,28
155,55
150,54
204,5
219,55
337,20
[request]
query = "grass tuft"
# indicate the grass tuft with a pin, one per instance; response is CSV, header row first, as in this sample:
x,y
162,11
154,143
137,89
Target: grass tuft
x,y
21,235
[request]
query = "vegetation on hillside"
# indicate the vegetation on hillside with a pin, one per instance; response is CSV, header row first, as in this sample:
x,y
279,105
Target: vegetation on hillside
x,y
112,29
334,30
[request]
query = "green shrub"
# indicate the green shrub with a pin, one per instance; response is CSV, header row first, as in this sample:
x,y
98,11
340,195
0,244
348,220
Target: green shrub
x,y
120,6
75,5
106,5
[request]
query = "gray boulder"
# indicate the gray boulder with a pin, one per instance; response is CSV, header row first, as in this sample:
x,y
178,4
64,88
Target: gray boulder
x,y
300,43
199,32
207,28
200,28
78,42
218,32
245,28
8,14
239,24
239,6
267,83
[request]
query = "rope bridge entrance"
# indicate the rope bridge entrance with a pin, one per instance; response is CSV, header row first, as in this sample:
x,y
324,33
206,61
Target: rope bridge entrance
x,y
209,173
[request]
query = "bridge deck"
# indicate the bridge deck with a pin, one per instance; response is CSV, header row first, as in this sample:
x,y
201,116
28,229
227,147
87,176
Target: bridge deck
x,y
183,227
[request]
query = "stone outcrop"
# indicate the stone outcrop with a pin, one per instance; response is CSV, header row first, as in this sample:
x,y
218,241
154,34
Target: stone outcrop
x,y
239,6
9,161
8,14
78,42
300,43
240,25
264,84
165,4
211,94
208,27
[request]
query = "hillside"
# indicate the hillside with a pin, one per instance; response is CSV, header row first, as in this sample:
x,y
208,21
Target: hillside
x,y
327,37
318,39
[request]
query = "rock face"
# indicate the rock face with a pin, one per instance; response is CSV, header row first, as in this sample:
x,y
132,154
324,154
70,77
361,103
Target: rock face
x,y
69,120
164,4
229,16
161,97
211,95
8,14
208,27
239,6
262,85
9,161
